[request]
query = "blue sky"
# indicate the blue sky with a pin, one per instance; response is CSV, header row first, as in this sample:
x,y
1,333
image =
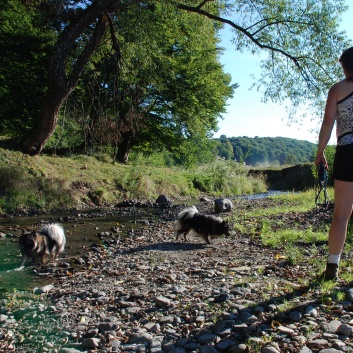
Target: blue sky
x,y
246,114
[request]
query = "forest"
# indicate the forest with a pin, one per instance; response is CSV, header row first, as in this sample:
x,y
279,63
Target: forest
x,y
145,76
265,151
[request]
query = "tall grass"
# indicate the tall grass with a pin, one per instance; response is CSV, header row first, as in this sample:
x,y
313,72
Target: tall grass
x,y
226,178
48,182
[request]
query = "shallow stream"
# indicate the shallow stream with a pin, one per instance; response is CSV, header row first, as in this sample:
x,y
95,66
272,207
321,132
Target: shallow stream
x,y
81,229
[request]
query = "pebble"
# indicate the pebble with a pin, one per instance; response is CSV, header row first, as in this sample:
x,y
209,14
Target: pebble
x,y
147,294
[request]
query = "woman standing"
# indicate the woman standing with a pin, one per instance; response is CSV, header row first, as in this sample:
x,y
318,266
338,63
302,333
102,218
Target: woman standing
x,y
339,109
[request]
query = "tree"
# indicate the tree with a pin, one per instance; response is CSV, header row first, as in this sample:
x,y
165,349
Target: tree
x,y
238,154
225,149
272,150
300,37
165,86
25,45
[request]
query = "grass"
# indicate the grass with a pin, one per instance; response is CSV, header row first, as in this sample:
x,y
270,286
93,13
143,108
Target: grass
x,y
270,223
50,182
300,246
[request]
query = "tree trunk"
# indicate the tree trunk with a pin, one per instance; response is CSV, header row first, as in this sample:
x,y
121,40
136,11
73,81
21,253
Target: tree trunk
x,y
45,125
124,148
60,85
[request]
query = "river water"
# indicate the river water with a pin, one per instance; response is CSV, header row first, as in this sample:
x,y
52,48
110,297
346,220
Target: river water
x,y
81,230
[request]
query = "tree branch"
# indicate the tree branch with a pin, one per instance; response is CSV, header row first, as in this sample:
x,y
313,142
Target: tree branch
x,y
240,29
88,50
294,59
269,23
202,4
115,41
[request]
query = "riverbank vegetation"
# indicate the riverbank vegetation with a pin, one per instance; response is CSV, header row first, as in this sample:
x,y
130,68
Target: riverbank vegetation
x,y
266,151
282,222
50,182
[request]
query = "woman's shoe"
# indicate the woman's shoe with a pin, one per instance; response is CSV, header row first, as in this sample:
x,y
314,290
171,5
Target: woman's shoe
x,y
331,272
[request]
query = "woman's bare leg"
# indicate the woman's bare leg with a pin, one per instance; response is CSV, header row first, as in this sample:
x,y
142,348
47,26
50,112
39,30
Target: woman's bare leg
x,y
338,229
341,215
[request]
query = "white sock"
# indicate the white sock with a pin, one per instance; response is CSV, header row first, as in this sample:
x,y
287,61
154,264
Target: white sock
x,y
333,259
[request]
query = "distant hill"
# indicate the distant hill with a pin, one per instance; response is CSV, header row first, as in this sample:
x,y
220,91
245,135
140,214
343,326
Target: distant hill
x,y
267,150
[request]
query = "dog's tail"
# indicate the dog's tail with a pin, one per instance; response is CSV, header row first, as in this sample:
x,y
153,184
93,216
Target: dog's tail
x,y
185,215
55,232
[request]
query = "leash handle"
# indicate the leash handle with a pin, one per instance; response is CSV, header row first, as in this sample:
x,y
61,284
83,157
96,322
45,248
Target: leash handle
x,y
322,179
321,174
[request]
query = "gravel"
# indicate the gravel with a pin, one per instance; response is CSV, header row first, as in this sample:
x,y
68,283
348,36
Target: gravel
x,y
149,293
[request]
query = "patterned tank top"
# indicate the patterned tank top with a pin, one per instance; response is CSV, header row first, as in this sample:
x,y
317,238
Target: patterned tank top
x,y
344,127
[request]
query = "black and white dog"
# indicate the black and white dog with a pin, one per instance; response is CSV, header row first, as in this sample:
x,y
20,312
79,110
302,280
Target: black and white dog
x,y
203,225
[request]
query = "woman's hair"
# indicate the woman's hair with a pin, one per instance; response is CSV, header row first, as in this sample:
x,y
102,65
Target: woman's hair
x,y
346,60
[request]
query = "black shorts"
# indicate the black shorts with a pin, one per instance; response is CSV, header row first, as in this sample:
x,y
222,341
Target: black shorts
x,y
343,163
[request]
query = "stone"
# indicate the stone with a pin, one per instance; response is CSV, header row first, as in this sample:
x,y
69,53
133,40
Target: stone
x,y
349,295
222,204
162,301
269,349
346,330
163,201
332,326
91,343
44,289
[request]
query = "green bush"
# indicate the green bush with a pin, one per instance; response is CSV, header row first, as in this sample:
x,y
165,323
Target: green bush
x,y
222,178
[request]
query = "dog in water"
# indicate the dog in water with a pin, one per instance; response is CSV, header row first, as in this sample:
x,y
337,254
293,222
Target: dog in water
x,y
203,225
50,240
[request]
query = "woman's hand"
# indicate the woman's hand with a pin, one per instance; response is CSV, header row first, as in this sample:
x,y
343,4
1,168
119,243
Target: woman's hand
x,y
321,159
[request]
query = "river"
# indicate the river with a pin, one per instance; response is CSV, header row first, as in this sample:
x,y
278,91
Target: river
x,y
82,229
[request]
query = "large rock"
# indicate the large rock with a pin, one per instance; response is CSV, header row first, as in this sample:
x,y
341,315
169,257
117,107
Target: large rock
x,y
222,204
163,201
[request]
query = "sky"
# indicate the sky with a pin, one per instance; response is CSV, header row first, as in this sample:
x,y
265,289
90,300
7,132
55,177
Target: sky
x,y
246,114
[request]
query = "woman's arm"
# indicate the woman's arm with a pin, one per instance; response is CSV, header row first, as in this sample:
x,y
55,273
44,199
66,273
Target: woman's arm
x,y
327,125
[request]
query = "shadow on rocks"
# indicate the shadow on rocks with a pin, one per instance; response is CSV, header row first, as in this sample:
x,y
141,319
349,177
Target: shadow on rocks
x,y
169,246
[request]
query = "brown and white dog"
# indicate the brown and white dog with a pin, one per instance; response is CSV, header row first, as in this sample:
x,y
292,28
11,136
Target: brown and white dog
x,y
50,240
203,225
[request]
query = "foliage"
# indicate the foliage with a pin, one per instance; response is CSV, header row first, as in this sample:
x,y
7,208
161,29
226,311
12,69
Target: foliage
x,y
25,44
49,182
224,148
156,95
226,178
165,88
295,41
23,185
270,150
265,223
298,43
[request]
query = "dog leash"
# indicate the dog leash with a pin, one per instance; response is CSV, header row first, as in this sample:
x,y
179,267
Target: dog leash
x,y
322,179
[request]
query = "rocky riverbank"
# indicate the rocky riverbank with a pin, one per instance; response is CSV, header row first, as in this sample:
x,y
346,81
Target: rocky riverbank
x,y
151,293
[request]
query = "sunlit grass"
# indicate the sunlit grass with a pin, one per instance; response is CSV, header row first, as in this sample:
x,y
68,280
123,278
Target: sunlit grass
x,y
262,223
287,236
47,182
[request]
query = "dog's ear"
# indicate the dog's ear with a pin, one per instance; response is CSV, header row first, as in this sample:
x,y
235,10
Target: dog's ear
x,y
225,222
